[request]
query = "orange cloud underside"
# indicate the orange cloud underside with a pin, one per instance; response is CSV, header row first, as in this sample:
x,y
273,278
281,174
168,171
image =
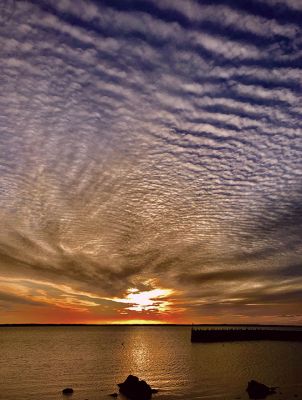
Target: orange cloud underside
x,y
30,301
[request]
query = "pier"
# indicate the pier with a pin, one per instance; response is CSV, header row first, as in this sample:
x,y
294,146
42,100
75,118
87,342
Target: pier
x,y
248,334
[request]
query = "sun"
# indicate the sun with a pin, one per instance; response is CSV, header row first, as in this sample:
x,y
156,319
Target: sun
x,y
138,322
149,300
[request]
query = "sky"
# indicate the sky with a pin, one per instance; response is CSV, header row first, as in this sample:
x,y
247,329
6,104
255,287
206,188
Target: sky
x,y
151,161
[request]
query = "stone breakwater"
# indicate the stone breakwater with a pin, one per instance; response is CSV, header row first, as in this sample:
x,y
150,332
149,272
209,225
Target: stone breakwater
x,y
234,335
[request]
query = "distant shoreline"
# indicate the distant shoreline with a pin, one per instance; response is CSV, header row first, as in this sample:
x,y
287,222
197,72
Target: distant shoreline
x,y
149,325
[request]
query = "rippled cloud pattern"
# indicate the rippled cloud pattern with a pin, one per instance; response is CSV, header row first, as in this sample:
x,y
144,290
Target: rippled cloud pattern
x,y
151,146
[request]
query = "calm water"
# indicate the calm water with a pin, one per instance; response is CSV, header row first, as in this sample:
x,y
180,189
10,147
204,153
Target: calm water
x,y
38,362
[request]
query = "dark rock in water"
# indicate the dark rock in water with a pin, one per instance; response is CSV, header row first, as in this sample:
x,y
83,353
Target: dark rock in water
x,y
135,389
154,391
258,390
67,391
113,394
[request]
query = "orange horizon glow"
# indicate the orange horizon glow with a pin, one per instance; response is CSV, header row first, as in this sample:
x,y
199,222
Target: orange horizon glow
x,y
43,302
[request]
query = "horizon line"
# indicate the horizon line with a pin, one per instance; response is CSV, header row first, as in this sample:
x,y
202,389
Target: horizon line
x,y
144,324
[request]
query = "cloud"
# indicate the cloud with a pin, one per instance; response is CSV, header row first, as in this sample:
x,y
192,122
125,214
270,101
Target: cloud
x,y
153,145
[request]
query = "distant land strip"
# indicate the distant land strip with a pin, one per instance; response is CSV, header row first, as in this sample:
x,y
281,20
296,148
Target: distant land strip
x,y
150,325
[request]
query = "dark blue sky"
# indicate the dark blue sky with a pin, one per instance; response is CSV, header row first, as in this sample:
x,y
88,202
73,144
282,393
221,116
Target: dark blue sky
x,y
151,145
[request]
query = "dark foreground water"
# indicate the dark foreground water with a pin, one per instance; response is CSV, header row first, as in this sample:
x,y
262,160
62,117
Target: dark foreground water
x,y
38,362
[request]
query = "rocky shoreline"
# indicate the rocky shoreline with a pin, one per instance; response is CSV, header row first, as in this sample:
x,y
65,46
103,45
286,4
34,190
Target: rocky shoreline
x,y
134,388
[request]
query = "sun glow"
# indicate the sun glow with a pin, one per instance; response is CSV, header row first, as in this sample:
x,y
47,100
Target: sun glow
x,y
138,322
151,300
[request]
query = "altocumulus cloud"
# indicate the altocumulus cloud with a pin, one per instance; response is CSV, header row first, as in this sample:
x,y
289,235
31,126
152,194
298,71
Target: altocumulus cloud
x,y
151,147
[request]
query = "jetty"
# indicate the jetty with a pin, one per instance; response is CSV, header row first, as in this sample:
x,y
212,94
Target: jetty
x,y
247,334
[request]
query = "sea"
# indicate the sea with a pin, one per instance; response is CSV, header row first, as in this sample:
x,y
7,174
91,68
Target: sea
x,y
37,362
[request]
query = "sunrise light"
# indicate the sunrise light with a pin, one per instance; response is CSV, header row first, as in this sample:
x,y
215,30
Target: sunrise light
x,y
151,300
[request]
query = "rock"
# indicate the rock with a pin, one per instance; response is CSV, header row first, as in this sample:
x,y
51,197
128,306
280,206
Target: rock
x,y
67,391
258,390
113,394
135,389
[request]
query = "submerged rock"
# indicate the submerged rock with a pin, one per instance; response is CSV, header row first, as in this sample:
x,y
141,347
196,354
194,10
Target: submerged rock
x,y
257,390
135,389
67,391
